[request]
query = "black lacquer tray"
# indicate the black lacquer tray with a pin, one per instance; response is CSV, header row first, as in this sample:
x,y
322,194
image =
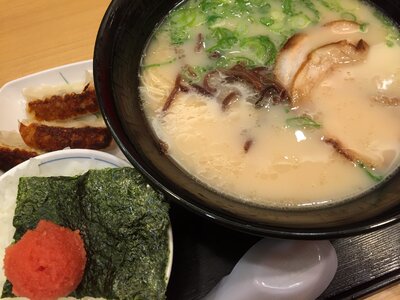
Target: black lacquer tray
x,y
206,252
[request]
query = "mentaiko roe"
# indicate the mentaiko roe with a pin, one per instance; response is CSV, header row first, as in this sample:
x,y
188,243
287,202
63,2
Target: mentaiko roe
x,y
46,263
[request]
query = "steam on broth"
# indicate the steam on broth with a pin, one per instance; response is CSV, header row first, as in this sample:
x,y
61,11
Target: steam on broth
x,y
281,103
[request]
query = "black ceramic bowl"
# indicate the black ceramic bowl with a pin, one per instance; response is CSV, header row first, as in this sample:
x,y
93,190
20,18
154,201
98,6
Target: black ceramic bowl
x,y
122,36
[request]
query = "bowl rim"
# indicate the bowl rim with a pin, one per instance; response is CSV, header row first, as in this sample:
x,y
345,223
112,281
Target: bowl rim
x,y
58,155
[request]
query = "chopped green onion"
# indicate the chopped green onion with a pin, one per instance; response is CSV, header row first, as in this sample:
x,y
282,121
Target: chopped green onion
x,y
183,17
363,27
277,15
178,36
210,6
300,21
180,22
225,39
212,19
348,16
287,7
240,8
159,64
260,3
303,122
226,62
262,48
393,35
193,73
369,172
267,21
389,43
332,5
310,5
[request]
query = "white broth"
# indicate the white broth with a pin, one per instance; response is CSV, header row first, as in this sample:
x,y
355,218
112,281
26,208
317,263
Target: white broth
x,y
341,139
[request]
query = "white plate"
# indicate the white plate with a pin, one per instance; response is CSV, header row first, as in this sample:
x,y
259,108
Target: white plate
x,y
12,101
52,164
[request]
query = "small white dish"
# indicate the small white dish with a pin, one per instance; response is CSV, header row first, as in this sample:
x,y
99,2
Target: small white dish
x,y
68,162
13,102
280,270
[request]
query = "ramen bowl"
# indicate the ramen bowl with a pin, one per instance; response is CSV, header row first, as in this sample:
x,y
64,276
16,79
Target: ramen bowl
x,y
121,41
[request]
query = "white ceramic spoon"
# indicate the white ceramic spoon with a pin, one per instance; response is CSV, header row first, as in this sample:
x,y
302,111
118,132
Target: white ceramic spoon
x,y
279,270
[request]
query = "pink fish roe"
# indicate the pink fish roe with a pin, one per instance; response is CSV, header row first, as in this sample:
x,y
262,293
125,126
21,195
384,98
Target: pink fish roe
x,y
46,263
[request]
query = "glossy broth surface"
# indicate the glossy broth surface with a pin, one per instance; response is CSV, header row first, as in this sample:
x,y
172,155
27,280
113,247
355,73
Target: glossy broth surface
x,y
276,155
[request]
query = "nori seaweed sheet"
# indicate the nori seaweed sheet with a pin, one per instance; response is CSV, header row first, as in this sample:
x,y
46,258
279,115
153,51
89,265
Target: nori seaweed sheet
x,y
121,219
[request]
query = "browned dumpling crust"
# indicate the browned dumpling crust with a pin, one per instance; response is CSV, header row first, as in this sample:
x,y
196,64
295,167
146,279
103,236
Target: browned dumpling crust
x,y
10,157
13,150
51,138
62,107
